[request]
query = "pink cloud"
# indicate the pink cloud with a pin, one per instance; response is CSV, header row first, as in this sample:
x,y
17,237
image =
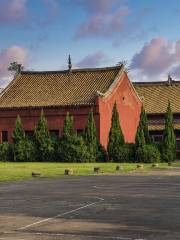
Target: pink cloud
x,y
12,11
103,24
155,57
93,60
9,55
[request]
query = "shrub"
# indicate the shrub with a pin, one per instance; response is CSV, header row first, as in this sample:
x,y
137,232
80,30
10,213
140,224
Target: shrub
x,y
5,152
73,149
102,154
24,151
147,154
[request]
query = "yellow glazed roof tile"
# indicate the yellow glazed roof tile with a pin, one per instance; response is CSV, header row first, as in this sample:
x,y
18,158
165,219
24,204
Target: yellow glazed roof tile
x,y
57,88
156,95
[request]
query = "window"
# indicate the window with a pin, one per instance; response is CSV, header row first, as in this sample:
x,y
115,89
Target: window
x,y
4,136
54,133
157,138
29,134
178,145
79,131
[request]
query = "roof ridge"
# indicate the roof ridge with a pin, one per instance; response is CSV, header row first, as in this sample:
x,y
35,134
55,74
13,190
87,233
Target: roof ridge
x,y
155,82
73,70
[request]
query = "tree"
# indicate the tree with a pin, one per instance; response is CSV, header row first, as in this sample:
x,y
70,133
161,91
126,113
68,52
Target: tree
x,y
90,135
142,134
18,133
18,136
43,140
169,139
144,121
72,148
116,137
68,126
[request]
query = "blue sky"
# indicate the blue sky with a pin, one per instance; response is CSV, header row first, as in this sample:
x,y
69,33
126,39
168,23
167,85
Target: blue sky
x,y
41,33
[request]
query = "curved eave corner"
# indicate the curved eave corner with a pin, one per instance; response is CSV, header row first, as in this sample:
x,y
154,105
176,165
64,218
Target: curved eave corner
x,y
113,86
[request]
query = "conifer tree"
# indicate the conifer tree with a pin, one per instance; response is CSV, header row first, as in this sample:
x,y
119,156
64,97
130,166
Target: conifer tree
x,y
116,137
144,123
68,126
72,147
142,134
18,133
169,139
90,135
43,140
20,142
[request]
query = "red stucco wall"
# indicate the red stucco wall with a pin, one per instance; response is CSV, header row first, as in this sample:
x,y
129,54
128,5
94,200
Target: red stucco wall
x,y
55,118
129,108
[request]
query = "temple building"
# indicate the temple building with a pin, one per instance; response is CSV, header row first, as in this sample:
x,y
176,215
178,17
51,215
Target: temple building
x,y
77,91
155,96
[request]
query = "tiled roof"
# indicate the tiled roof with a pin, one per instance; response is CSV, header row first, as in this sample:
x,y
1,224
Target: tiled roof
x,y
155,96
58,88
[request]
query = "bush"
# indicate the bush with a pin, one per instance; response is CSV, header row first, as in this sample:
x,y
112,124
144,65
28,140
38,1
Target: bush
x,y
102,154
147,154
24,151
73,149
5,152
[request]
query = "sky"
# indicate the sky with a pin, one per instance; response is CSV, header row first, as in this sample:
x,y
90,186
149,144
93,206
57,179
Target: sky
x,y
40,34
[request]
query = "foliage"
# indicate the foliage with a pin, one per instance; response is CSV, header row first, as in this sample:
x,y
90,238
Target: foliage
x,y
102,154
147,154
68,126
5,152
24,151
43,140
73,149
18,133
169,139
90,136
142,134
116,137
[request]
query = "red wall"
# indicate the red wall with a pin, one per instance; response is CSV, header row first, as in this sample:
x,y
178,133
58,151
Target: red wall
x,y
55,118
129,108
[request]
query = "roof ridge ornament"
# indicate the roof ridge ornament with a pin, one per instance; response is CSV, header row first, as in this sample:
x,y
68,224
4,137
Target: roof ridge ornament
x,y
169,80
69,63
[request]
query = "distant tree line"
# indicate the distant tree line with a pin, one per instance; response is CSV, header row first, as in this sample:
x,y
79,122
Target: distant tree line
x,y
85,147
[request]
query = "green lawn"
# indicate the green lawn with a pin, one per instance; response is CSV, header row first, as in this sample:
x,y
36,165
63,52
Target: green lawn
x,y
22,171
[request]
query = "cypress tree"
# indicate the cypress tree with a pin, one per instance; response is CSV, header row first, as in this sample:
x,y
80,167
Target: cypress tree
x,y
20,142
90,135
18,133
169,139
144,122
68,126
72,148
142,134
43,140
116,137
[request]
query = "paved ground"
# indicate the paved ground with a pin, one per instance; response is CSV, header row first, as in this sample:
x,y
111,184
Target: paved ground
x,y
91,208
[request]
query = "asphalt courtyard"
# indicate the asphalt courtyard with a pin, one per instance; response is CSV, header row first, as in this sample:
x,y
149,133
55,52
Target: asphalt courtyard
x,y
91,208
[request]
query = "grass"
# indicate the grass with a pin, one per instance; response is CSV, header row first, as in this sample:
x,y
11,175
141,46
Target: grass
x,y
22,171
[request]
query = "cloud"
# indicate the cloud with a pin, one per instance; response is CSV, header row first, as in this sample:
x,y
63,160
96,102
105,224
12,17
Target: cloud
x,y
12,11
14,53
93,60
103,25
157,58
104,18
